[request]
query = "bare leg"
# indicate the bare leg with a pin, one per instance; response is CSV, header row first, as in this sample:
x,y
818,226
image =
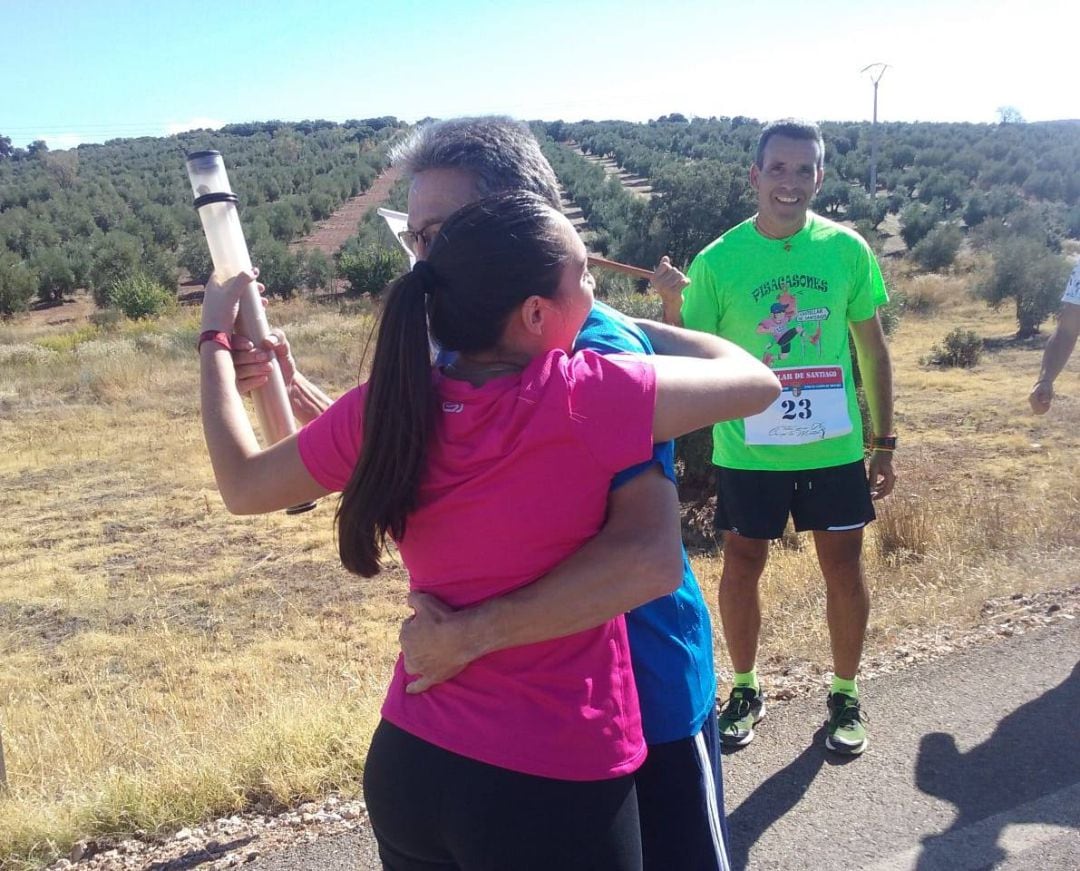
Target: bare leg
x,y
740,605
847,599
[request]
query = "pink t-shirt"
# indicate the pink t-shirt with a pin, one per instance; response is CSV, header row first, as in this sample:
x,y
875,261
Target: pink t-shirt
x,y
517,479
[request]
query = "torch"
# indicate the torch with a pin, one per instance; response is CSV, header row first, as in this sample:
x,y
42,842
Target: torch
x,y
217,207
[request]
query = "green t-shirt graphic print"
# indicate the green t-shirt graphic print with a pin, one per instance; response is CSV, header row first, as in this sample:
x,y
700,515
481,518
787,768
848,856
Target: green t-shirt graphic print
x,y
789,302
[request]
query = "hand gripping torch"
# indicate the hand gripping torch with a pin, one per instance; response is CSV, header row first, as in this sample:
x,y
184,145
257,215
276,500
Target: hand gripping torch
x,y
217,207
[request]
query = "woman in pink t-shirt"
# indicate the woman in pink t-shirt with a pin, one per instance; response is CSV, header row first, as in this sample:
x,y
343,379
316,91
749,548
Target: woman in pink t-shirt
x,y
487,473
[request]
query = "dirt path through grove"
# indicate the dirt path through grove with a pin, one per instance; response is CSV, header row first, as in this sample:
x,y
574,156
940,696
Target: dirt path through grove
x,y
329,235
635,184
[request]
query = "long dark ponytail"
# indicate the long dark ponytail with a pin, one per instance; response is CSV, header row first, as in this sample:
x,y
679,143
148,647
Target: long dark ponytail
x,y
489,257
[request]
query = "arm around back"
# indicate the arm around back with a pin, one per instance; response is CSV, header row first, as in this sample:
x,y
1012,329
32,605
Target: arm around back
x,y
635,558
711,380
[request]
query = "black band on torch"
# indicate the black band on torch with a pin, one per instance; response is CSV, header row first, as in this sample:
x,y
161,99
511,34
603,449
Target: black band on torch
x,y
220,197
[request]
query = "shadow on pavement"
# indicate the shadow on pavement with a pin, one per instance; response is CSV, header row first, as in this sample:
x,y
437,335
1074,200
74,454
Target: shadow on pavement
x,y
773,799
1034,752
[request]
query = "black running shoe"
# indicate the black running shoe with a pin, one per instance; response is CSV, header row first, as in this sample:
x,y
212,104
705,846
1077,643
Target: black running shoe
x,y
742,711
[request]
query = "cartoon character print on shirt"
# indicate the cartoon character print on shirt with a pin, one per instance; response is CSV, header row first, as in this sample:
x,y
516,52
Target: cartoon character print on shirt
x,y
784,325
813,403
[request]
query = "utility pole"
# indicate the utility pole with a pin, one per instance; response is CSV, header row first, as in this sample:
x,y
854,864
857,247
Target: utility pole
x,y
875,71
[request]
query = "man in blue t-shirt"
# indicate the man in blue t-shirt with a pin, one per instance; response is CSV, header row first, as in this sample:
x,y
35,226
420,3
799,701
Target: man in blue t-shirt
x,y
671,650
628,563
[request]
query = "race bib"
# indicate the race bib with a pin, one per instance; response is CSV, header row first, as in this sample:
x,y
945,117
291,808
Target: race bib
x,y
812,407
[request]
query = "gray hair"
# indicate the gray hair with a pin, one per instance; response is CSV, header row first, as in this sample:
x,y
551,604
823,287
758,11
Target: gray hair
x,y
791,128
502,154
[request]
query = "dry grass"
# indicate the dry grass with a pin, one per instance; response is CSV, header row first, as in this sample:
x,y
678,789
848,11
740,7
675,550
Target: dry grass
x,y
162,661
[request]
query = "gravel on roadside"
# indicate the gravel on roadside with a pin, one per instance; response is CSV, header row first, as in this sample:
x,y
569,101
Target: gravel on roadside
x,y
241,839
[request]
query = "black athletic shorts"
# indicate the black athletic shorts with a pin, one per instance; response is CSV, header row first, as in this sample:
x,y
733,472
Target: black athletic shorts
x,y
433,810
756,504
681,801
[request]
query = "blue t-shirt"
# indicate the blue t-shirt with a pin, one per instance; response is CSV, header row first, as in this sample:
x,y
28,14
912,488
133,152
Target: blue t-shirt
x,y
670,637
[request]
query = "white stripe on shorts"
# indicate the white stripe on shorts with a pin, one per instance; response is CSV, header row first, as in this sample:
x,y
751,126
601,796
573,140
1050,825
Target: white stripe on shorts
x,y
714,811
845,528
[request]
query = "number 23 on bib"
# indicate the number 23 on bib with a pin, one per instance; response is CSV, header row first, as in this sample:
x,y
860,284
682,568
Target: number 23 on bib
x,y
812,407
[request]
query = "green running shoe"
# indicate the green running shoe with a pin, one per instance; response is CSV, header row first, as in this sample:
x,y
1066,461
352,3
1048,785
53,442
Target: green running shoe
x,y
846,726
740,713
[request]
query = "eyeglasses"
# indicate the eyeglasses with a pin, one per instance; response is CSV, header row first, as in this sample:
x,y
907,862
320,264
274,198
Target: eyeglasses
x,y
422,239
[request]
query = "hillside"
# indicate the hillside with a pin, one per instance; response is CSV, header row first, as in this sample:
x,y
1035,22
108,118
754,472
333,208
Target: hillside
x,y
91,216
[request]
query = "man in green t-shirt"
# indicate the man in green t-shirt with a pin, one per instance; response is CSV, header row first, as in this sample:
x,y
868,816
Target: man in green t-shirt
x,y
788,285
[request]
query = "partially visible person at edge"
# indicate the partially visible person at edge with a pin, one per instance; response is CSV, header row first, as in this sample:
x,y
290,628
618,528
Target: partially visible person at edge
x,y
1060,346
525,758
787,285
680,786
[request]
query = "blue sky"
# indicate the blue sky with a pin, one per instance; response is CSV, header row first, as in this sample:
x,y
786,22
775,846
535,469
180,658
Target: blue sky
x,y
87,71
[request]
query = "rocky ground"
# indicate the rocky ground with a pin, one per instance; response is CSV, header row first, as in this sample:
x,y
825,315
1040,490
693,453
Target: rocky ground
x,y
999,618
231,842
243,838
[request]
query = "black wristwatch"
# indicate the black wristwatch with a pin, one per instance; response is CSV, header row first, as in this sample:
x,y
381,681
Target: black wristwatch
x,y
883,443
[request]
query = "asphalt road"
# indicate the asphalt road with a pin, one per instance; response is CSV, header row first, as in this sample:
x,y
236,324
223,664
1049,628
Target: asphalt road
x,y
974,763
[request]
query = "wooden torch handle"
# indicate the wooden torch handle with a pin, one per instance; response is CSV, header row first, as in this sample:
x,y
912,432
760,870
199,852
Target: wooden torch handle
x,y
615,266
